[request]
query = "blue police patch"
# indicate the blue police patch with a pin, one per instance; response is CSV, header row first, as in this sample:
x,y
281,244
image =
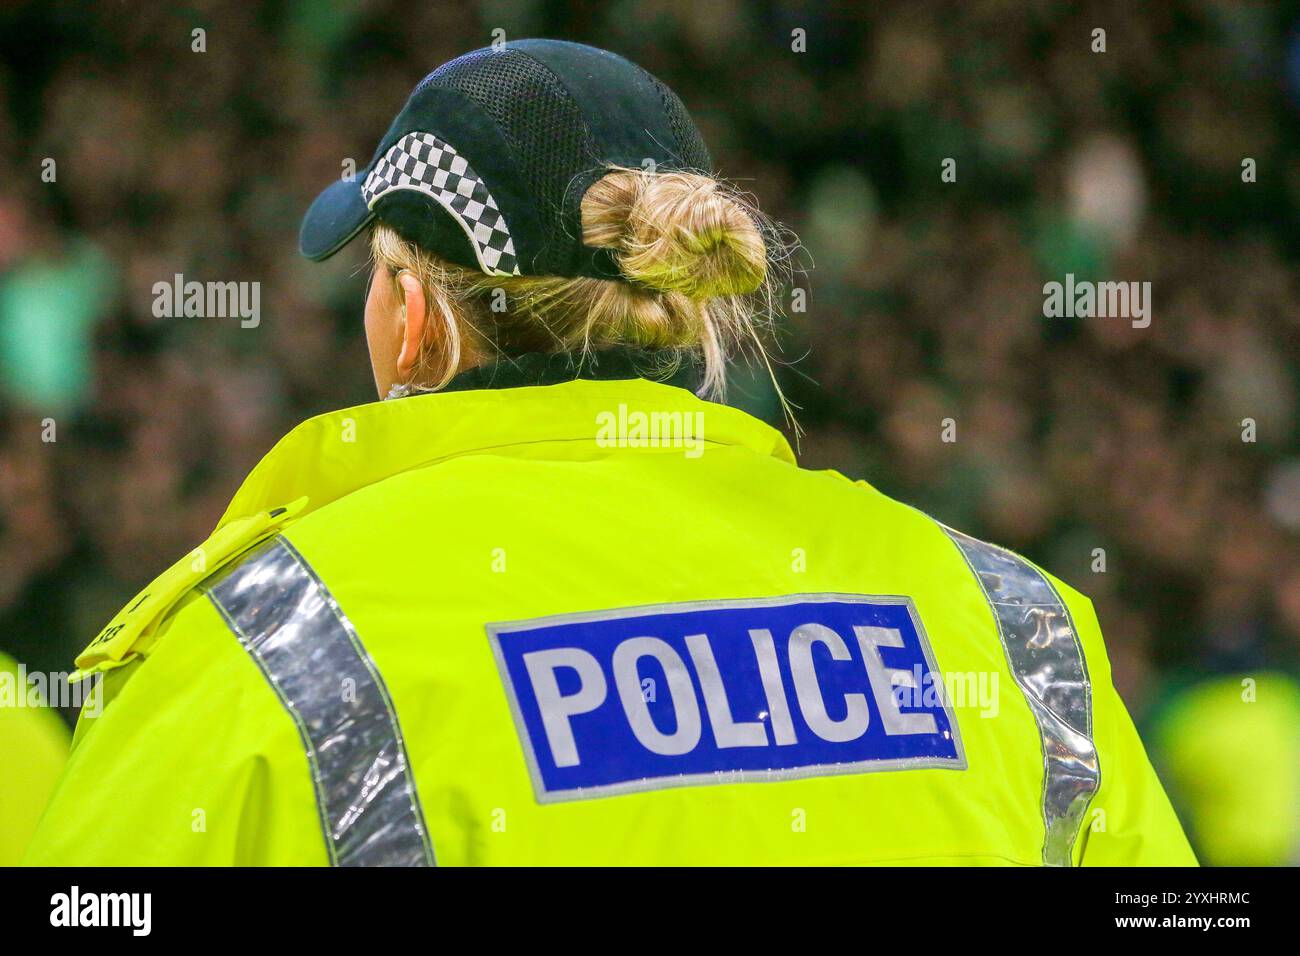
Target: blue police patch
x,y
724,691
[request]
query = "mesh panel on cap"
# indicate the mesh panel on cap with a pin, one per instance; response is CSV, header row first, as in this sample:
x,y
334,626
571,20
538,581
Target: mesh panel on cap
x,y
534,111
690,144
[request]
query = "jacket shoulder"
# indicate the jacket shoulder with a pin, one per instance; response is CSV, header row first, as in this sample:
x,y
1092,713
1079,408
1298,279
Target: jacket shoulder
x,y
135,629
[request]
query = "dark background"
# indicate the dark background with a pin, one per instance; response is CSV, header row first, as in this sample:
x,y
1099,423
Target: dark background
x,y
925,298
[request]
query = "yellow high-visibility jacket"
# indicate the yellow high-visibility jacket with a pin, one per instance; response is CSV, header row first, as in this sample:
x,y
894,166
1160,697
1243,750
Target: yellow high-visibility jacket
x,y
596,622
33,747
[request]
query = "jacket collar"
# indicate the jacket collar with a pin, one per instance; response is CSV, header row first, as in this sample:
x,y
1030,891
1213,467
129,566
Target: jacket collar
x,y
334,454
554,368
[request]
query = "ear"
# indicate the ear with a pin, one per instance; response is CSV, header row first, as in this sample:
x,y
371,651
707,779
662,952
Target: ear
x,y
414,321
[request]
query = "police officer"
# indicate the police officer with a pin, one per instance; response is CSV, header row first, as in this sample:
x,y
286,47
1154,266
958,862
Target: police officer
x,y
551,605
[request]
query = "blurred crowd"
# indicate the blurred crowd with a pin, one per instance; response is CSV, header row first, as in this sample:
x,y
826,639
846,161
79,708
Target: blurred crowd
x,y
1155,469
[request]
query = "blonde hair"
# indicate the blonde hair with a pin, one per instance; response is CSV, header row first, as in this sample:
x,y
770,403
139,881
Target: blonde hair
x,y
702,265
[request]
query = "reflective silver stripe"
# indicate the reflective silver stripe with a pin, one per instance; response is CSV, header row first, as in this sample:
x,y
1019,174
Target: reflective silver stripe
x,y
295,631
1047,661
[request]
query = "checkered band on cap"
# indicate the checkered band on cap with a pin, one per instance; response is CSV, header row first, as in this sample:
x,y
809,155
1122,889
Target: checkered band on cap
x,y
423,162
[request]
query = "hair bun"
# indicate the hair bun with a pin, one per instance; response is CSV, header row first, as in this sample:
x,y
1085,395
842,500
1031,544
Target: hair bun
x,y
676,232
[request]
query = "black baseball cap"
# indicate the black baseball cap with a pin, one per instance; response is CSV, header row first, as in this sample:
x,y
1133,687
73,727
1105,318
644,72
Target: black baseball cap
x,y
487,163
